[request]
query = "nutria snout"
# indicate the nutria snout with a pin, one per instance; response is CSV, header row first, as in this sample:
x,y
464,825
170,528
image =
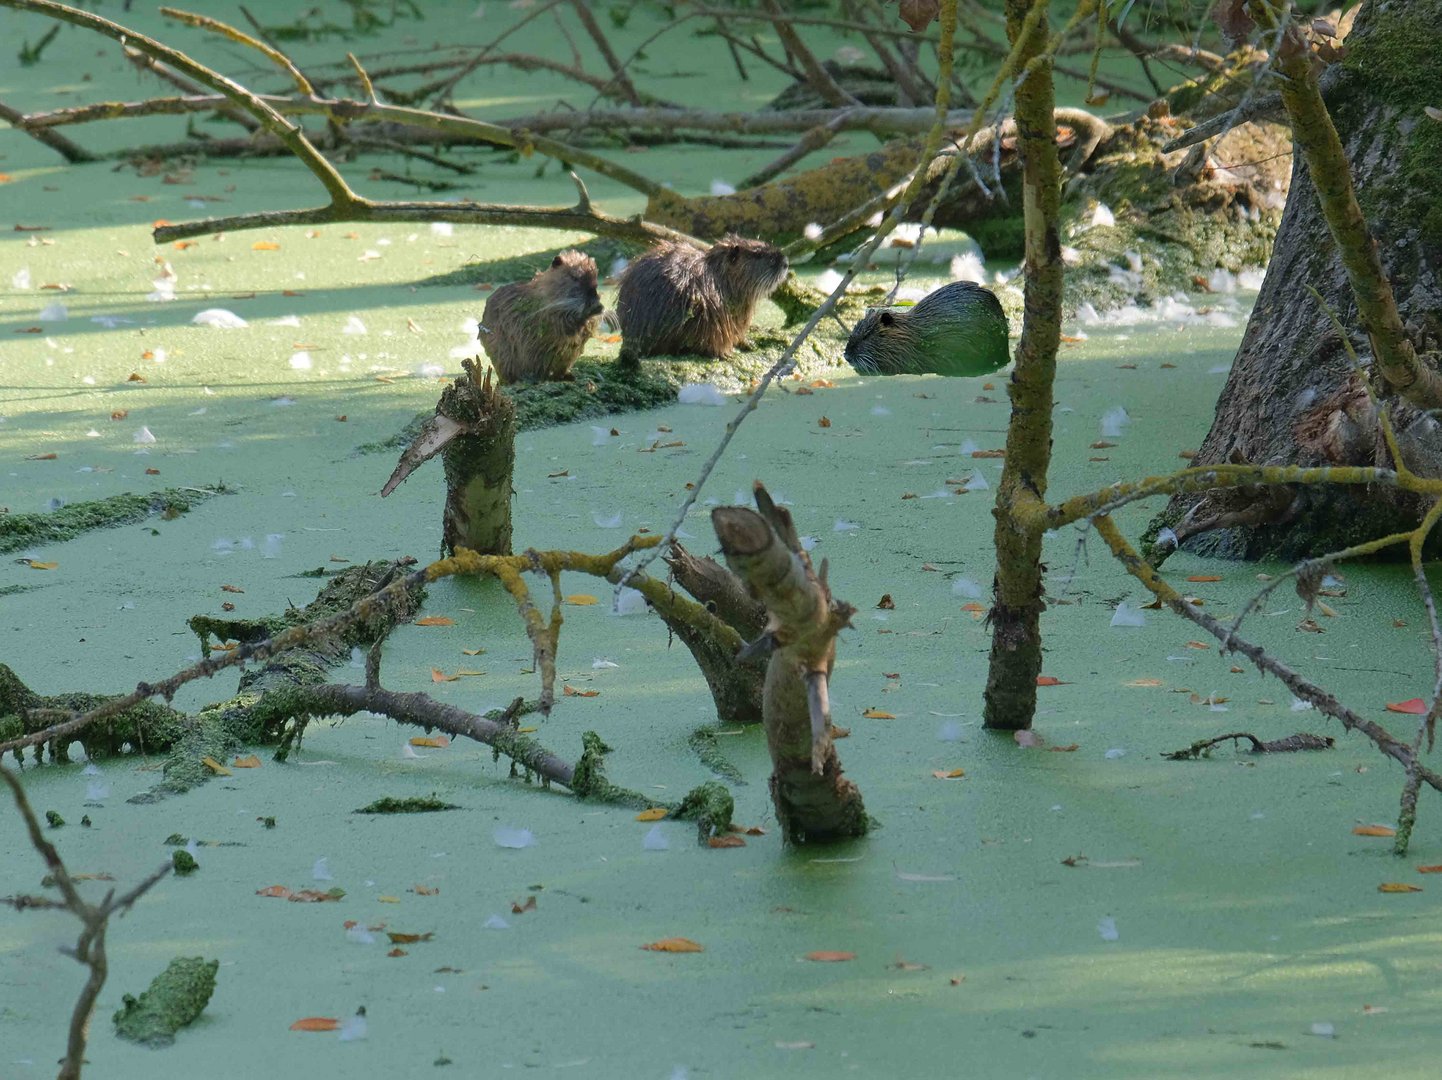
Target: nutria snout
x,y
960,329
535,330
678,300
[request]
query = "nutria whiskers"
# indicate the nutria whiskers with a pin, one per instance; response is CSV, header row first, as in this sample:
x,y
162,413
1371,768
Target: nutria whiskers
x,y
535,330
678,300
959,329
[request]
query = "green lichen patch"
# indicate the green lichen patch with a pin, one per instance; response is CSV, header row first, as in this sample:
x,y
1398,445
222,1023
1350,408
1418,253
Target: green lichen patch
x,y
426,804
19,531
175,998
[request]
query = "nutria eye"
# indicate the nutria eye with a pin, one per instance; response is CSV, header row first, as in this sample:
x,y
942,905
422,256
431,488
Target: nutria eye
x,y
886,319
556,261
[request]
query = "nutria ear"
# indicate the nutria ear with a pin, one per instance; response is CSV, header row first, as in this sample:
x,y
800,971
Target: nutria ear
x,y
887,319
555,262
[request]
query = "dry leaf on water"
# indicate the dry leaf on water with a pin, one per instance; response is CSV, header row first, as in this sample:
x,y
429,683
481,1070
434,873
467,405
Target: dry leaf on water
x,y
725,841
878,714
1374,830
674,944
436,620
656,813
518,908
1398,886
1412,706
581,599
250,761
398,938
948,774
828,956
570,691
316,1023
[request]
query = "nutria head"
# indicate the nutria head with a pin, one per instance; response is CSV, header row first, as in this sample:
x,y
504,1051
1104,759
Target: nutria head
x,y
960,329
746,270
570,283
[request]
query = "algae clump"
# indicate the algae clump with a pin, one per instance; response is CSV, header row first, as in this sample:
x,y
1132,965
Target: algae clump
x,y
175,998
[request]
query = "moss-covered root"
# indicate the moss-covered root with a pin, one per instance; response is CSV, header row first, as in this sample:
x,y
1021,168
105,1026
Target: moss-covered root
x,y
588,781
710,806
176,997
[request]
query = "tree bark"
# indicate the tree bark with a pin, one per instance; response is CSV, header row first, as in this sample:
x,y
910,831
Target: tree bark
x,y
1292,395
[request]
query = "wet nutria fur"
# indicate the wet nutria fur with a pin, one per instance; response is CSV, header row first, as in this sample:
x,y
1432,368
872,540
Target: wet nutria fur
x,y
535,330
959,329
677,300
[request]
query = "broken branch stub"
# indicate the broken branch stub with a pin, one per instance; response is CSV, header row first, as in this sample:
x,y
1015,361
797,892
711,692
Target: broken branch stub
x,y
814,802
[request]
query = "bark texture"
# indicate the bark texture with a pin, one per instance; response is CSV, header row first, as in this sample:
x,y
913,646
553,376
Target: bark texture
x,y
1292,396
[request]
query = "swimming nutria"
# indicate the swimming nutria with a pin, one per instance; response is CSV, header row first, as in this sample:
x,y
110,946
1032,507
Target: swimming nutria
x,y
959,329
535,330
678,300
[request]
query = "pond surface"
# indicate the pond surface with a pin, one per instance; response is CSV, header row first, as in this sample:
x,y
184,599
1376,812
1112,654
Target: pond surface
x,y
1223,914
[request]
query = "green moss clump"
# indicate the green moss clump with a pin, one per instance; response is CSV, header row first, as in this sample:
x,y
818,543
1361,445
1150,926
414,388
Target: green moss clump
x,y
703,743
175,998
183,862
19,531
428,804
54,820
710,806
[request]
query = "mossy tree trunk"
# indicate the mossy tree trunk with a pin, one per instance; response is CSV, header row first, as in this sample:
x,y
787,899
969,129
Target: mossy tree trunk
x,y
1016,609
1292,395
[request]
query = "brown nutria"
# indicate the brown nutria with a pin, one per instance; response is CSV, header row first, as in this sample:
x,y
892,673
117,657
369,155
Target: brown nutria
x,y
677,300
535,330
959,329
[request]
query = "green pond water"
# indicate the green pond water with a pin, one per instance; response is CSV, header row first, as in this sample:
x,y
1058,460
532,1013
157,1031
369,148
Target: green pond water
x,y
1225,914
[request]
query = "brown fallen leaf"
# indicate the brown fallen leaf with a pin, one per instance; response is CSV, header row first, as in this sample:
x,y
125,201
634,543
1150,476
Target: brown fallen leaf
x,y
829,956
279,892
436,620
674,945
886,603
570,691
725,841
399,938
1205,577
1198,645
1435,868
518,908
231,588
250,761
425,890
1143,682
316,1023
1374,830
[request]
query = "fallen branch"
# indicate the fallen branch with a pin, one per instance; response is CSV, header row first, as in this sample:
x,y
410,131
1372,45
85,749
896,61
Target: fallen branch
x,y
1303,740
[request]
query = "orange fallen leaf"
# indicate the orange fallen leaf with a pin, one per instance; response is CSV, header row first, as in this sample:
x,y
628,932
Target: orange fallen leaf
x,y
42,457
265,245
878,714
1398,886
581,600
948,774
1049,680
1374,830
439,742
316,1023
34,565
674,944
250,761
725,841
1412,706
437,675
216,767
436,620
570,691
1205,577
977,610
1198,645
656,813
1433,869
280,892
1067,749
824,422
828,956
397,951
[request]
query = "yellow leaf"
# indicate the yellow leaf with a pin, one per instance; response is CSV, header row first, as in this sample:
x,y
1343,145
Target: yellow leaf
x,y
215,767
828,956
265,245
472,652
248,762
388,899
437,675
526,730
1374,830
656,813
1398,886
948,774
42,565
571,691
581,600
674,944
1143,682
439,742
877,714
436,620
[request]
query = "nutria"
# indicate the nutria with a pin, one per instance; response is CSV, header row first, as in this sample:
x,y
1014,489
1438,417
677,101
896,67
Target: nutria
x,y
959,329
676,299
535,330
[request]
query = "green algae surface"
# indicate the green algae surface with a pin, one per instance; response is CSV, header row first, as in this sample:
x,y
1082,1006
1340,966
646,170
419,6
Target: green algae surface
x,y
1223,916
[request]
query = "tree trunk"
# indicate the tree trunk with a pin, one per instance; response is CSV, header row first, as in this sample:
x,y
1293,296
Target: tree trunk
x,y
1292,396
